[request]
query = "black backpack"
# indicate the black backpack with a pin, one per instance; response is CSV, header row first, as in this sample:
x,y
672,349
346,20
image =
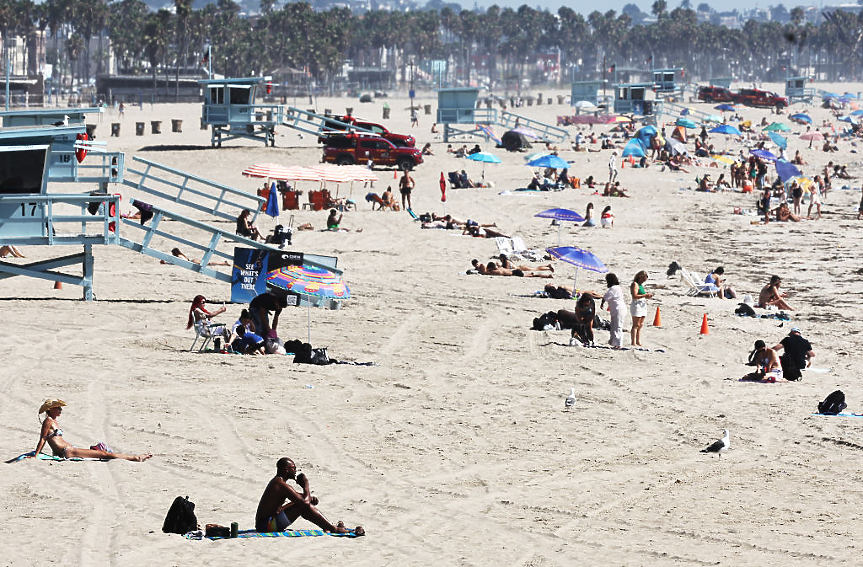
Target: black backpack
x,y
181,517
833,404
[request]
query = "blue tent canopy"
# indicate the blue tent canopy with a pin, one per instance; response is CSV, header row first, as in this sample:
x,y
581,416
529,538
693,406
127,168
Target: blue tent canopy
x,y
634,148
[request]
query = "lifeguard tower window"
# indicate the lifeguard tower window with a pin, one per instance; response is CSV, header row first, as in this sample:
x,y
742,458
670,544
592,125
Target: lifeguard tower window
x,y
217,95
21,169
636,93
240,94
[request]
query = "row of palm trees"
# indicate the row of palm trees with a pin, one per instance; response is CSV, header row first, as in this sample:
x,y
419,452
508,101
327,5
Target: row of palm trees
x,y
321,41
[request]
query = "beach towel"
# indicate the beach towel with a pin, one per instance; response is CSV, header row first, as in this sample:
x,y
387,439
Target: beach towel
x,y
286,533
46,457
843,414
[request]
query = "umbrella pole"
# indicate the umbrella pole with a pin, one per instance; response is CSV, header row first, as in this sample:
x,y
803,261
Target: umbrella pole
x,y
559,224
575,283
309,320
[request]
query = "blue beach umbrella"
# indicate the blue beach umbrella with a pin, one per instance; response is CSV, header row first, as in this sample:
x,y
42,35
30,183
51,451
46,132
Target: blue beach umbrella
x,y
786,171
273,202
725,107
778,140
848,119
763,154
726,129
484,158
550,160
686,123
634,148
578,257
857,112
560,215
800,117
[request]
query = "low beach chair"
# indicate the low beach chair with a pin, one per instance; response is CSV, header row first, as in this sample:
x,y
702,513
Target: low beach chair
x,y
697,288
207,331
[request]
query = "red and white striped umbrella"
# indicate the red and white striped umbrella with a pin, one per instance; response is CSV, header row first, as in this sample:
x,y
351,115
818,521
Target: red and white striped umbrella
x,y
267,171
332,173
299,173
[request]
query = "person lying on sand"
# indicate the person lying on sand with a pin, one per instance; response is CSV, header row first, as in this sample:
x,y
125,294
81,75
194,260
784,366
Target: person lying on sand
x,y
770,295
492,269
480,232
53,435
176,252
275,515
505,263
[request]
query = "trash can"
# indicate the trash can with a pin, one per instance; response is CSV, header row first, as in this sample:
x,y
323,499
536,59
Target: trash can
x,y
203,124
539,99
139,128
560,99
327,112
548,101
427,108
269,116
91,131
488,102
529,101
176,125
259,116
155,126
115,129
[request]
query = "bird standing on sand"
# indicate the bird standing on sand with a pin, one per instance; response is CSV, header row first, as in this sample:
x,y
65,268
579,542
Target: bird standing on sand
x,y
64,122
570,399
719,446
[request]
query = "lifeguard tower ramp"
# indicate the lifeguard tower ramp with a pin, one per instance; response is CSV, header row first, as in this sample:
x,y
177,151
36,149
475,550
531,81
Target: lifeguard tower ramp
x,y
797,91
232,113
664,110
317,124
457,108
30,216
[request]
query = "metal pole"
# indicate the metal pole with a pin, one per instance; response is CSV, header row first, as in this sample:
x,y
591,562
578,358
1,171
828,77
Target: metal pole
x,y
8,69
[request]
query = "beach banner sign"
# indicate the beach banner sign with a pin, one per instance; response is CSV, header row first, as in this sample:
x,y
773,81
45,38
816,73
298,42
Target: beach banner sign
x,y
249,274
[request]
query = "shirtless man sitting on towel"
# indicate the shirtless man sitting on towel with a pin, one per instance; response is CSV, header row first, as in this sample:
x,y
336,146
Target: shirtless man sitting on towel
x,y
274,515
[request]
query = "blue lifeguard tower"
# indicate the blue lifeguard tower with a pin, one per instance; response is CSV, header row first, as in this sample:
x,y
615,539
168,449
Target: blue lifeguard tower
x,y
668,80
231,112
632,98
33,157
797,91
47,116
587,91
457,108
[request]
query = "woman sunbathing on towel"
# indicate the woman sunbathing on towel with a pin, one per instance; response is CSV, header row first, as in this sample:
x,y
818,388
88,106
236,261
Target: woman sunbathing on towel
x,y
53,435
492,269
505,263
480,232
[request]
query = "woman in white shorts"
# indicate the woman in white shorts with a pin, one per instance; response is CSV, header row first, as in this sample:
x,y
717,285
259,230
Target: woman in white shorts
x,y
814,200
638,307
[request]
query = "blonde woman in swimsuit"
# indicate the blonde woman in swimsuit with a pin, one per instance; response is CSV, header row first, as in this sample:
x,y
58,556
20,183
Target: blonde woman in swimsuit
x,y
53,435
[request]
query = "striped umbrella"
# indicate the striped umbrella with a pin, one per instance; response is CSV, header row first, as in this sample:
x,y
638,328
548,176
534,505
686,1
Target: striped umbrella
x,y
266,171
310,281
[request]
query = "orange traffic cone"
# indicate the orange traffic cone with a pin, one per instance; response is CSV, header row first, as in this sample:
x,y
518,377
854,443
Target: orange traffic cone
x,y
657,319
704,329
623,164
58,285
395,174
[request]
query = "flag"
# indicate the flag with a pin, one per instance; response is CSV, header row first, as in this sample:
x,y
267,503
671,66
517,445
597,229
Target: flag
x,y
442,188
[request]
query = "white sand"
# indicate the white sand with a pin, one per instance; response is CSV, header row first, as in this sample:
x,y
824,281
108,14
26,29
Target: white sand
x,y
455,449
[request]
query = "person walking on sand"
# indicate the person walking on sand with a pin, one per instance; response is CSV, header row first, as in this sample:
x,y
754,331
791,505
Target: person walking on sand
x,y
275,515
638,307
617,307
53,436
406,186
612,167
415,119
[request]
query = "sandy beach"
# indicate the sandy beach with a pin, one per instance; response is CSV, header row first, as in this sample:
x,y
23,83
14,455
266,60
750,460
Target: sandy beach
x,y
454,449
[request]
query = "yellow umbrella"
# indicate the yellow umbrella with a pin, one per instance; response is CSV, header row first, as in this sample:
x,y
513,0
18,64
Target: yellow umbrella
x,y
723,159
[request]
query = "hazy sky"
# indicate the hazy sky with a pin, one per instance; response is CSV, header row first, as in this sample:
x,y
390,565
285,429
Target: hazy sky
x,y
587,6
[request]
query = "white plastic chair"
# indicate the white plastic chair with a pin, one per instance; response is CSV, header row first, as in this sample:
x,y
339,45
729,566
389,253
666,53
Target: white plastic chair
x,y
205,331
697,288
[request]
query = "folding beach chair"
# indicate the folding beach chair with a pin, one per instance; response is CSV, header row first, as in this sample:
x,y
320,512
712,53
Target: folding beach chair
x,y
206,331
697,288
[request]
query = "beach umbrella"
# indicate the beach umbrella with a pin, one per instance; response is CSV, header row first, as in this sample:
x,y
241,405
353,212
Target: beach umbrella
x,y
713,118
721,158
549,160
526,132
857,113
802,118
726,129
725,107
584,105
485,158
763,154
272,202
677,147
579,258
812,136
634,148
787,171
686,112
560,215
535,155
686,123
311,282
267,171
778,140
848,119
777,127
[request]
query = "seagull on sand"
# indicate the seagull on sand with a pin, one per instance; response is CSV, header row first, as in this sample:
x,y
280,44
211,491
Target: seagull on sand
x,y
570,399
64,122
719,446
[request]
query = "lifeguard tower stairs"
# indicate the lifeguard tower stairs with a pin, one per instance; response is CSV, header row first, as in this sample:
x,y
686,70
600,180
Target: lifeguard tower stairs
x,y
459,115
34,157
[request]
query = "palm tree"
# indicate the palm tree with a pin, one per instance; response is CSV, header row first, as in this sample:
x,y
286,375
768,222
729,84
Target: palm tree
x,y
155,42
183,9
